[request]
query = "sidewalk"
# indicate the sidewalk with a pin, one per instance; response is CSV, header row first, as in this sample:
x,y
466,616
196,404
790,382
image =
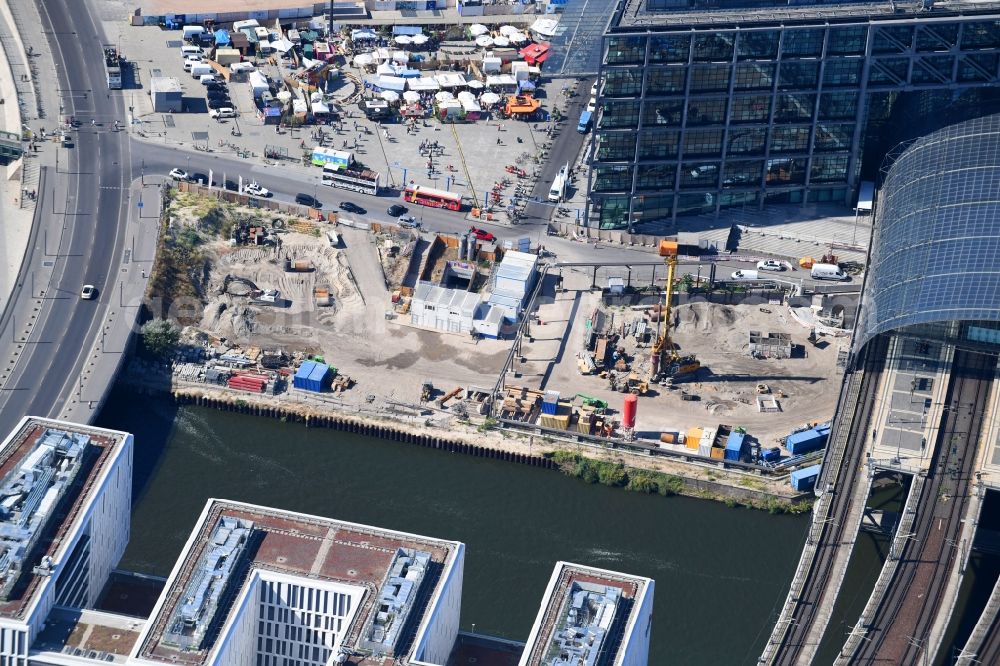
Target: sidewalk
x,y
15,223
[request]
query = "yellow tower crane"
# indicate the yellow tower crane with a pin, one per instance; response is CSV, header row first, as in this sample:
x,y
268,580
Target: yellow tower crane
x,y
665,361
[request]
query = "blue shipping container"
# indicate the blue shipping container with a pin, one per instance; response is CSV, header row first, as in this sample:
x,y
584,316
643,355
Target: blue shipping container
x,y
311,376
735,445
805,479
807,440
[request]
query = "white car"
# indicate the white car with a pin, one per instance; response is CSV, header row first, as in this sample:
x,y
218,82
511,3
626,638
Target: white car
x,y
593,90
89,292
255,190
224,112
408,221
770,265
592,104
178,174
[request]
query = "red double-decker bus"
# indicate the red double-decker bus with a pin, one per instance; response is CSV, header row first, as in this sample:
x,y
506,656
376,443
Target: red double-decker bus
x,y
428,196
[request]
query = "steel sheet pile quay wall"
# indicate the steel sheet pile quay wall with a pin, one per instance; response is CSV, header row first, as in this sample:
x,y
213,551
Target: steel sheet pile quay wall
x,y
900,628
817,580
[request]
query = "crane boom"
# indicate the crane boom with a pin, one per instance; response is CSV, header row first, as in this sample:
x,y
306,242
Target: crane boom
x,y
665,358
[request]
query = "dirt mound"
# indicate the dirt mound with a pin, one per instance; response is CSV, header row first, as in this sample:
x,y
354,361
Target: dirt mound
x,y
704,316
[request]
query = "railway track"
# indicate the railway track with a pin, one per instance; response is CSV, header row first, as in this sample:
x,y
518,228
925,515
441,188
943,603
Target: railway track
x,y
907,611
842,468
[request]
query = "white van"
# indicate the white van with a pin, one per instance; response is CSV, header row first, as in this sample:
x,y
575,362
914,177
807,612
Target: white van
x,y
224,112
743,274
828,272
200,69
191,49
205,79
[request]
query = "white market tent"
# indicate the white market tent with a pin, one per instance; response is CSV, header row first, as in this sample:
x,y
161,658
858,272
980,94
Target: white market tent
x,y
450,80
484,40
517,38
464,95
444,96
411,96
489,98
390,83
507,30
390,95
501,41
363,59
420,39
477,29
402,39
363,33
470,105
474,84
501,80
425,83
389,69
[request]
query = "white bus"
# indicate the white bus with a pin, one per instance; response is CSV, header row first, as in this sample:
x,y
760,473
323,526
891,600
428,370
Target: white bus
x,y
348,178
558,190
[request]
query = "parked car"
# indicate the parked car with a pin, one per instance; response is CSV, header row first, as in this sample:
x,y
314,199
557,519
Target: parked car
x,y
220,95
221,112
215,85
255,190
408,221
178,174
770,265
200,178
231,185
744,275
395,210
89,292
482,235
307,200
349,207
218,104
592,104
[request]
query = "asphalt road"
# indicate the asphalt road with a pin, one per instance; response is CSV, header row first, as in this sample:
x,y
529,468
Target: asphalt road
x,y
158,159
80,220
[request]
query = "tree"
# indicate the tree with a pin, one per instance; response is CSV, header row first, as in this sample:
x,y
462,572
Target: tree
x,y
160,337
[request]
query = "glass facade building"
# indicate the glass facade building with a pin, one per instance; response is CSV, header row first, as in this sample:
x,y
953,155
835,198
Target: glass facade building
x,y
935,254
741,107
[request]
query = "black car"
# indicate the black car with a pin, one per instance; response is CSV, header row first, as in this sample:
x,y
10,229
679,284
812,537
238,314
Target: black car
x,y
218,103
307,200
352,208
213,85
218,95
395,210
231,185
199,178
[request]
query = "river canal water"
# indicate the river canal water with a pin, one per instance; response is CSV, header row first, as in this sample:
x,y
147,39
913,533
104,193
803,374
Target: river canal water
x,y
721,573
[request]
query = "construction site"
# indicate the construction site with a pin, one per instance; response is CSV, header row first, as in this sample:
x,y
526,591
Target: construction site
x,y
267,291
732,382
445,330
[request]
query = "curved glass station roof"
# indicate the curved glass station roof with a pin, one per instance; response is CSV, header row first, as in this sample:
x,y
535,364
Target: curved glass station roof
x,y
935,254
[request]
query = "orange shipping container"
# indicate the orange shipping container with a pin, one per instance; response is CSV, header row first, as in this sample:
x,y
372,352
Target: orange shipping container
x,y
718,453
693,438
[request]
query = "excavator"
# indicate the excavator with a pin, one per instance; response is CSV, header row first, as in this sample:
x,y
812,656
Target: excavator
x,y
665,362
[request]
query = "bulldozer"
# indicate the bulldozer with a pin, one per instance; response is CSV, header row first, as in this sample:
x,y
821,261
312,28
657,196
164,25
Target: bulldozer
x,y
665,362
